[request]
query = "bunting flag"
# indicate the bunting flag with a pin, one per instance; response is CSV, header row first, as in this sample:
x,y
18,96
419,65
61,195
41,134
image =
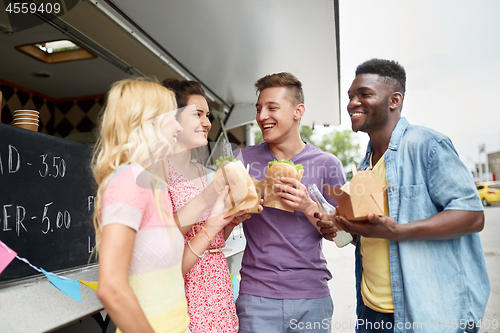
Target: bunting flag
x,y
6,256
91,285
67,286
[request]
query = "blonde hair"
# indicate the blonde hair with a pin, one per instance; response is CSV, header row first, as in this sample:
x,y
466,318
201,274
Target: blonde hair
x,y
130,133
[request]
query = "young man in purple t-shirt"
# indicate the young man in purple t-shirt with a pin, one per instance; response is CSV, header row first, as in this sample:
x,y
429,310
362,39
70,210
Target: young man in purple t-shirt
x,y
284,279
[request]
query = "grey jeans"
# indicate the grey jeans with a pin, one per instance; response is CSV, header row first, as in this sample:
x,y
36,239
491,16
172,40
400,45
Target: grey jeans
x,y
269,315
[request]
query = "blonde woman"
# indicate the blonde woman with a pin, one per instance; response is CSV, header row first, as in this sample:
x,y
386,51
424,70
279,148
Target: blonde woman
x,y
142,257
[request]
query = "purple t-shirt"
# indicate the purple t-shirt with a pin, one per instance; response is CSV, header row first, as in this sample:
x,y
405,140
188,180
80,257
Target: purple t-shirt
x,y
283,257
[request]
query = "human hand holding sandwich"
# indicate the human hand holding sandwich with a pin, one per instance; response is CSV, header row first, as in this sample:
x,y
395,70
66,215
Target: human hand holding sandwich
x,y
242,195
276,170
296,196
285,179
190,213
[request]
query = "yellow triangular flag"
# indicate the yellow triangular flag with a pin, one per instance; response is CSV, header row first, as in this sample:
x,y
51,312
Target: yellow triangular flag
x,y
92,285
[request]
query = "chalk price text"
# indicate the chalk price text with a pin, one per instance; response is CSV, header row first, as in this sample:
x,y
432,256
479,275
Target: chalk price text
x,y
52,166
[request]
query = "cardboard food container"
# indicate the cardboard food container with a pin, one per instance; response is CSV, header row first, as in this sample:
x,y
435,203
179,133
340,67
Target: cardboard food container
x,y
364,194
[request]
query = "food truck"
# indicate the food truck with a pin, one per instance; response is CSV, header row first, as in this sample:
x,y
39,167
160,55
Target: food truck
x,y
60,57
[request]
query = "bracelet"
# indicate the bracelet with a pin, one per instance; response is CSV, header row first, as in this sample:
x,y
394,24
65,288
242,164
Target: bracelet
x,y
196,254
204,230
206,233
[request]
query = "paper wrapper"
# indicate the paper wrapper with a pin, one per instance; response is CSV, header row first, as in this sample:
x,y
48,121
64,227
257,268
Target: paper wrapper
x,y
242,194
259,188
270,198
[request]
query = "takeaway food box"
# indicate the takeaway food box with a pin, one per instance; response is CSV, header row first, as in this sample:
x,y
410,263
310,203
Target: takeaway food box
x,y
364,194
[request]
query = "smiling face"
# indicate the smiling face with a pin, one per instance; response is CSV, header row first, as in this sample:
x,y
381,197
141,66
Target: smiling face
x,y
194,120
369,103
277,118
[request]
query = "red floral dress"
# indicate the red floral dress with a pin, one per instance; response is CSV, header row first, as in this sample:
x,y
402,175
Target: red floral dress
x,y
208,285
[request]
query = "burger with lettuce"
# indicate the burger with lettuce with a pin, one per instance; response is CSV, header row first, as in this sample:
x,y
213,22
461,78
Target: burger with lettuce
x,y
275,170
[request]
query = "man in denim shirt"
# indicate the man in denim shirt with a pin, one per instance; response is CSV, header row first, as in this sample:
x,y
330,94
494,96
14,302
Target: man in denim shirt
x,y
422,267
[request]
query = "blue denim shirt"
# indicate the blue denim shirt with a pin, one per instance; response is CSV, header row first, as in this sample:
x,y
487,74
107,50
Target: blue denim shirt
x,y
434,283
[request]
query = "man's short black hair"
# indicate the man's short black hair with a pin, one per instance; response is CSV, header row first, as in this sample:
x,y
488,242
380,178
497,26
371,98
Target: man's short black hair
x,y
390,72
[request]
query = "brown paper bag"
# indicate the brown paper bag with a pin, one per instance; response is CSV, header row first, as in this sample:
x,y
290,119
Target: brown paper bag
x,y
259,188
242,194
270,198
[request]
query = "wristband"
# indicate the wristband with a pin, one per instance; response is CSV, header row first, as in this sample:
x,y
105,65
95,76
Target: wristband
x,y
205,231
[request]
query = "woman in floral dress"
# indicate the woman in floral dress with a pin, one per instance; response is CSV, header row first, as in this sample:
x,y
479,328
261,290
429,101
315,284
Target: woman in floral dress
x,y
208,286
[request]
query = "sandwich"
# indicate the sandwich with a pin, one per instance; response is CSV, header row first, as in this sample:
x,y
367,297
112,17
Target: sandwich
x,y
224,160
275,170
287,168
242,194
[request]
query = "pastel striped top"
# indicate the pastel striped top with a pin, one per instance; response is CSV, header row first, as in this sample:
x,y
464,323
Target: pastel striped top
x,y
155,272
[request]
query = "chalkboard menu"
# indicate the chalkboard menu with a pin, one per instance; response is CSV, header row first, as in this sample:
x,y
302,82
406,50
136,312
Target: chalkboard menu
x,y
47,196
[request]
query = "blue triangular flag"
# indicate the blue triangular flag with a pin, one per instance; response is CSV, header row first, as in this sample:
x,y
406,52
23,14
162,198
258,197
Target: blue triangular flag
x,y
67,286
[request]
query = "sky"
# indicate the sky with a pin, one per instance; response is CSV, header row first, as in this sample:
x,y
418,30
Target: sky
x,y
451,52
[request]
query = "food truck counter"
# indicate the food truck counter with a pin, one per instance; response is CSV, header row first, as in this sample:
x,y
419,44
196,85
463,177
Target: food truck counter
x,y
35,306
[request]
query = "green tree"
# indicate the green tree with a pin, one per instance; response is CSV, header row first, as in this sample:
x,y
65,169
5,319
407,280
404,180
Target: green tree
x,y
258,134
306,132
342,145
